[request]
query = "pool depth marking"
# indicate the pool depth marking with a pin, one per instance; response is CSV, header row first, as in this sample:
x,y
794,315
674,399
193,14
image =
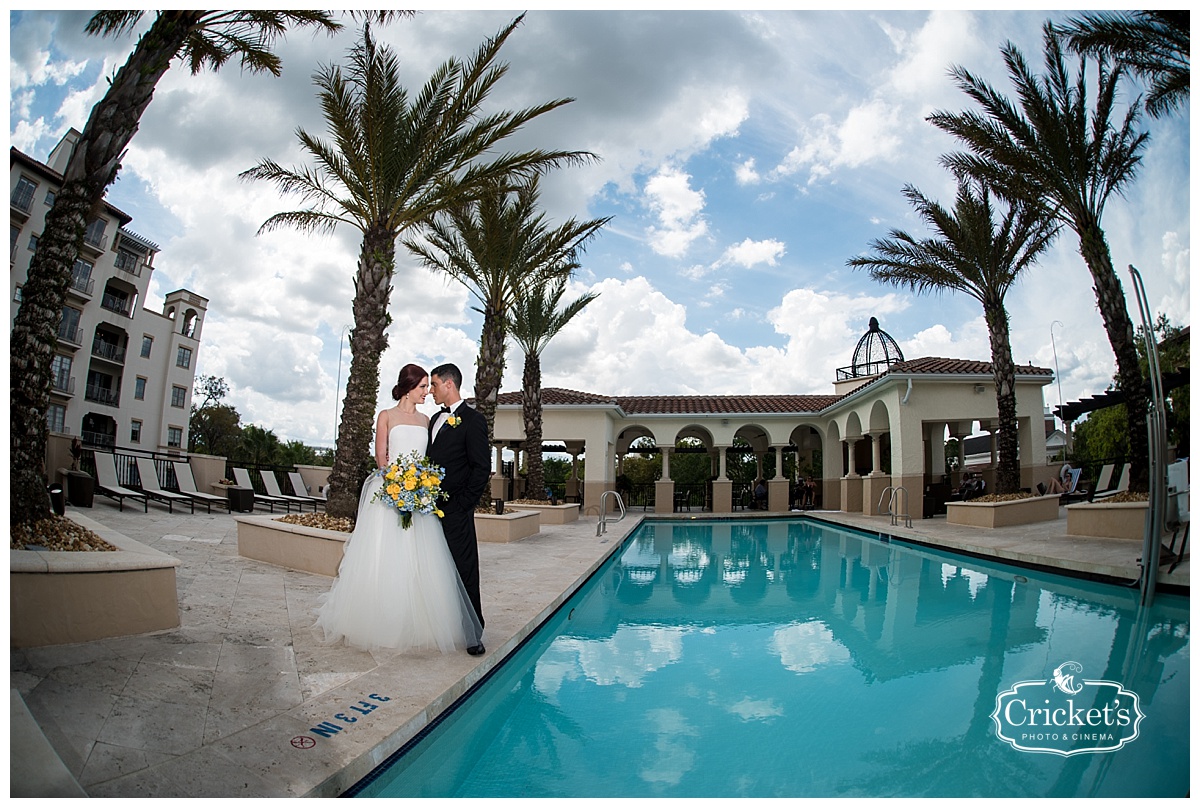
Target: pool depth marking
x,y
327,729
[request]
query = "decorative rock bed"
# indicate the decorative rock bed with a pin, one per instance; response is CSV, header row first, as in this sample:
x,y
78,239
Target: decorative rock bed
x,y
1003,514
58,597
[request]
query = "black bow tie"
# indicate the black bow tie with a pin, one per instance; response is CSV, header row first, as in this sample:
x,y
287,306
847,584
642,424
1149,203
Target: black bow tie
x,y
444,409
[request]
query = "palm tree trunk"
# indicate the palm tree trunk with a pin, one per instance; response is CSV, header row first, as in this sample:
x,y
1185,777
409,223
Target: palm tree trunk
x,y
1110,299
1008,471
92,168
489,371
368,340
531,411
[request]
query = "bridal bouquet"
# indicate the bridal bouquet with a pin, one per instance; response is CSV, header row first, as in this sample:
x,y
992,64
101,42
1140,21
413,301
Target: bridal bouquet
x,y
412,484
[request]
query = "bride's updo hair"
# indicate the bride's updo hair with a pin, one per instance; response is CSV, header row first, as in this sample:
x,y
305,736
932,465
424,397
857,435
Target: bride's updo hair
x,y
410,377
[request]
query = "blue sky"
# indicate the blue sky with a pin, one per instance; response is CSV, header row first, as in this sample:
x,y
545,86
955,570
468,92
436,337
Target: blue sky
x,y
745,156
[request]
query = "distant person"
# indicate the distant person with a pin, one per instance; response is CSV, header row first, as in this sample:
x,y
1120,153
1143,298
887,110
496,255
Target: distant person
x,y
760,495
76,453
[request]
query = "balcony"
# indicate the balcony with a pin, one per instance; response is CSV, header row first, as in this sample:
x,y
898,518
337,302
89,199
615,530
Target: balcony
x,y
130,263
99,439
63,385
22,199
102,395
70,335
95,243
109,351
117,305
83,287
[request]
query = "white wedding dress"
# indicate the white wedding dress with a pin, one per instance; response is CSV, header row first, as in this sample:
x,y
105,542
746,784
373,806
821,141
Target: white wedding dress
x,y
396,588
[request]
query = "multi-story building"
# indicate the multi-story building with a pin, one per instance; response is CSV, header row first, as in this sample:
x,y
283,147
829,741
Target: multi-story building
x,y
122,374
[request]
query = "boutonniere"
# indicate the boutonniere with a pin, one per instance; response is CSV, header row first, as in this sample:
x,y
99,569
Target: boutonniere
x,y
453,421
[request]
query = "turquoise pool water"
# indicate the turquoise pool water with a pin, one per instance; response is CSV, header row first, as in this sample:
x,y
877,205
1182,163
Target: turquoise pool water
x,y
794,658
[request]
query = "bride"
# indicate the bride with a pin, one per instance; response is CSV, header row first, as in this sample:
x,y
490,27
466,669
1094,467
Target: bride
x,y
398,588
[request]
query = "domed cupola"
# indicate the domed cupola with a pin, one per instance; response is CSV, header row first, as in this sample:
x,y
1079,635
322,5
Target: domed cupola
x,y
874,354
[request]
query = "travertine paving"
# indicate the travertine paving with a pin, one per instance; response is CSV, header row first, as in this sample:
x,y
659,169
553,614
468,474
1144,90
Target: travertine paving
x,y
242,700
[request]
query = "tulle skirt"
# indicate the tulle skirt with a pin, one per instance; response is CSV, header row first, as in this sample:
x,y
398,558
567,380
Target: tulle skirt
x,y
397,588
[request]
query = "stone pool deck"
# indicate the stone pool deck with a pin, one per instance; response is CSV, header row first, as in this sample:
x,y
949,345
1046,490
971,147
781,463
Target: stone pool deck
x,y
226,705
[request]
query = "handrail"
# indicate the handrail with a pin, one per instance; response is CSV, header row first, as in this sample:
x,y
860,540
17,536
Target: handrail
x,y
602,524
892,510
879,505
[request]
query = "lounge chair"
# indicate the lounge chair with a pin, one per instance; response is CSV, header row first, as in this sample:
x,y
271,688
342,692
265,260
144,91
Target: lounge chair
x,y
151,487
273,489
1122,486
1071,483
301,490
187,487
242,478
108,484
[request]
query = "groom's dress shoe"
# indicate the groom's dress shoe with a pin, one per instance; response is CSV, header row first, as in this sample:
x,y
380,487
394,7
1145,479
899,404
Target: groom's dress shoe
x,y
476,650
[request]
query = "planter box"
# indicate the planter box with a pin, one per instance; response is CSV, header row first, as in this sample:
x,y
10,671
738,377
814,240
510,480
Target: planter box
x,y
58,597
507,527
1003,514
296,547
553,514
1118,520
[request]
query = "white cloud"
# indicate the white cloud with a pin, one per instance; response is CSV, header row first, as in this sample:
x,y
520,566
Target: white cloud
x,y
679,209
867,134
749,253
746,173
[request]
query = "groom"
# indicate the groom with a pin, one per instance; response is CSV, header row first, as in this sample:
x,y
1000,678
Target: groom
x,y
458,443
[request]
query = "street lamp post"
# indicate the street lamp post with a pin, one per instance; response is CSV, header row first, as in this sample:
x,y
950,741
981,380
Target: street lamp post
x,y
337,391
1058,379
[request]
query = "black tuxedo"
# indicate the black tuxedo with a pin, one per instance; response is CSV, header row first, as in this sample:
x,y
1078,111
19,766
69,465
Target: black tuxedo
x,y
463,452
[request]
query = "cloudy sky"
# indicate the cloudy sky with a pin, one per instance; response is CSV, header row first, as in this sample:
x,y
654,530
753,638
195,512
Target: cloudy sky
x,y
745,156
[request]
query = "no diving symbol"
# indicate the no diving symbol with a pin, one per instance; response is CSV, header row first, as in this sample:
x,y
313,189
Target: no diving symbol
x,y
304,742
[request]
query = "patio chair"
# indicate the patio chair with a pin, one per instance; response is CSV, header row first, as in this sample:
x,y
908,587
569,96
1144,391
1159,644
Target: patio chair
x,y
301,490
1122,486
153,489
1071,483
273,489
242,478
110,486
187,487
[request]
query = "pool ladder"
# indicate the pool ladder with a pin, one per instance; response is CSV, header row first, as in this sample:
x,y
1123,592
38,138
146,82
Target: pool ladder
x,y
602,525
892,512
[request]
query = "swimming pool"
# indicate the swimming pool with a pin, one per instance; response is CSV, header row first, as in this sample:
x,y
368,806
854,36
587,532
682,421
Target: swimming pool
x,y
767,658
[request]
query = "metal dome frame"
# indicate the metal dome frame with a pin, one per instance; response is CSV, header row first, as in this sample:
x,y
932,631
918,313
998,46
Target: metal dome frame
x,y
875,353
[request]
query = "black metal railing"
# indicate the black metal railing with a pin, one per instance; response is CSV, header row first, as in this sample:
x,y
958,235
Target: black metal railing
x,y
107,350
70,334
22,197
63,384
101,395
118,305
81,284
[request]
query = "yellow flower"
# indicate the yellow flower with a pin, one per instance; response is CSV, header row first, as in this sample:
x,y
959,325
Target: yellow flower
x,y
409,484
439,513
393,490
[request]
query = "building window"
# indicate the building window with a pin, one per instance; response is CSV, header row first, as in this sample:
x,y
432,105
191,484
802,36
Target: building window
x,y
135,431
56,418
184,359
95,233
14,233
147,343
68,326
178,395
22,195
60,373
139,388
50,198
17,295
33,239
174,437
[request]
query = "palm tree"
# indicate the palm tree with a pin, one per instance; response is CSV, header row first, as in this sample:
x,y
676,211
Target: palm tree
x,y
495,246
971,254
1054,150
391,163
1153,45
202,39
534,320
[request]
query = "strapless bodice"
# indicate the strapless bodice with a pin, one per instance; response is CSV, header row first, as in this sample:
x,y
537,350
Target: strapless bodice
x,y
405,438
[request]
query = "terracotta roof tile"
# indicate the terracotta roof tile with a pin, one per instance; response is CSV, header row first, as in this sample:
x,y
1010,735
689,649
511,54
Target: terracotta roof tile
x,y
736,405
